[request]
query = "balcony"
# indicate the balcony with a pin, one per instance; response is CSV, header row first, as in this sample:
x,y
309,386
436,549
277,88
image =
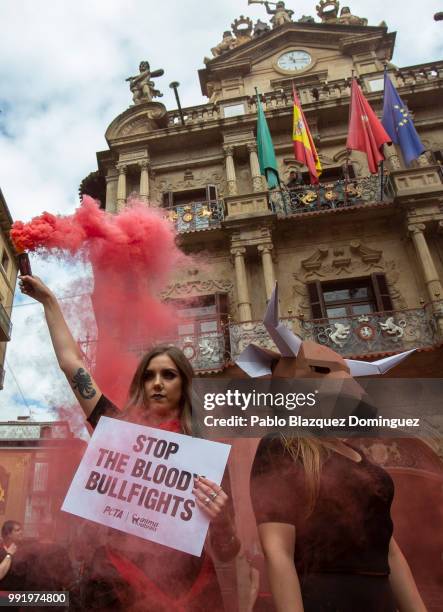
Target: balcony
x,y
207,352
5,325
375,332
197,216
329,196
411,78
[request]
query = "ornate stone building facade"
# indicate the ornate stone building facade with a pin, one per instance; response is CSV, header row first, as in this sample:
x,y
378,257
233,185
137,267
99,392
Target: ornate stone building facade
x,y
8,276
359,260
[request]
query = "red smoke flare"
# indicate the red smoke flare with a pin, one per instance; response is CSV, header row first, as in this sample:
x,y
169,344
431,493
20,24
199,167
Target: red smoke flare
x,y
133,255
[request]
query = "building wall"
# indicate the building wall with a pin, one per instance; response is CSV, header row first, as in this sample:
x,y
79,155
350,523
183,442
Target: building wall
x,y
8,274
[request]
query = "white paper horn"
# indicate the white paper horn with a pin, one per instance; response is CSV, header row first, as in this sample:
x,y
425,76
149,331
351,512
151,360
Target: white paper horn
x,y
367,368
284,339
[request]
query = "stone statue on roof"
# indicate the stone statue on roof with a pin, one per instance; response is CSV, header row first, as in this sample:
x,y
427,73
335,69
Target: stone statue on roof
x,y
227,43
327,10
141,86
347,18
241,34
280,15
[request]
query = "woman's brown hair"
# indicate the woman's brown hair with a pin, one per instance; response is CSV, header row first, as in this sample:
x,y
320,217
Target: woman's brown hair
x,y
137,396
311,452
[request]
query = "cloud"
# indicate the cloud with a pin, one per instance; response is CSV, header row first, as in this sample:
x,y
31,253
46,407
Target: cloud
x,y
63,67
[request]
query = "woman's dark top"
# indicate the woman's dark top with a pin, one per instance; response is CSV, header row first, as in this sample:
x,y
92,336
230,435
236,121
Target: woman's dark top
x,y
131,572
350,526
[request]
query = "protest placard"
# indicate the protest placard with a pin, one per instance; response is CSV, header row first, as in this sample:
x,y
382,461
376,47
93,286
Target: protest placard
x,y
139,480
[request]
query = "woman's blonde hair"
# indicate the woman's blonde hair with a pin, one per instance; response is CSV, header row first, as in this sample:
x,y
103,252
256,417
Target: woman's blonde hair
x,y
311,452
137,397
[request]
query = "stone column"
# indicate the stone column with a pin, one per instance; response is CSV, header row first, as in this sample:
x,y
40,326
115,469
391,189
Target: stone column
x,y
429,270
244,301
144,180
268,268
111,192
121,187
392,157
257,183
231,179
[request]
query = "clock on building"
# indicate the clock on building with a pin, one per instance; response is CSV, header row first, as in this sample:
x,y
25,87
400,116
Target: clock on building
x,y
293,61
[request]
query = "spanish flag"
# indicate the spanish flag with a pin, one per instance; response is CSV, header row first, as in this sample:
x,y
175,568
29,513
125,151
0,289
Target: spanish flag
x,y
304,148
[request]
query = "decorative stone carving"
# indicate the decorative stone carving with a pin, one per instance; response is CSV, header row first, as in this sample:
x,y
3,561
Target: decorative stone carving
x,y
280,15
242,28
142,87
391,328
314,262
327,10
227,43
340,334
367,254
347,18
260,28
306,19
199,287
138,119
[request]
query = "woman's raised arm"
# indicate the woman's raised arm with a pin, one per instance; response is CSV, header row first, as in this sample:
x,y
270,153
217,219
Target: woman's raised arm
x,y
68,353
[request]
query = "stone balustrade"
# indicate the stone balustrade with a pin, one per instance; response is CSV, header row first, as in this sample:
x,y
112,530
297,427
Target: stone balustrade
x,y
411,76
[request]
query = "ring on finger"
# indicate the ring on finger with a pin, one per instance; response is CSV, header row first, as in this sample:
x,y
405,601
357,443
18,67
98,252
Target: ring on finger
x,y
207,501
213,495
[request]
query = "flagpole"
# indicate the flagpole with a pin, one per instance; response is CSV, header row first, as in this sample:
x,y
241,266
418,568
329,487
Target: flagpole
x,y
382,163
348,151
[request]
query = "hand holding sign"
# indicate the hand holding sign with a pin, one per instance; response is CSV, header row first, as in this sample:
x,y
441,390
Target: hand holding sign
x,y
140,480
210,497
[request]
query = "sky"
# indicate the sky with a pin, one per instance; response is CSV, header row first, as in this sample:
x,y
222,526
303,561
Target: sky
x,y
63,67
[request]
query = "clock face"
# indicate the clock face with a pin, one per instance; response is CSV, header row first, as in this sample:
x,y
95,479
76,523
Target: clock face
x,y
294,60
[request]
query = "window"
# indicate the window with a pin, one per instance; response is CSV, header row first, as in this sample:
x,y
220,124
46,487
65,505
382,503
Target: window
x,y
233,110
202,315
376,84
330,175
5,260
41,473
351,297
189,196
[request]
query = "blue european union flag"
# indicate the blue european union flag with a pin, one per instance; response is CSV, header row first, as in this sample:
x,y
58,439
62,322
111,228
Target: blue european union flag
x,y
398,123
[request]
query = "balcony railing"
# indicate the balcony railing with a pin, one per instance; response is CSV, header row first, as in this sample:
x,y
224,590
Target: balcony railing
x,y
197,216
207,351
376,332
5,325
327,196
427,75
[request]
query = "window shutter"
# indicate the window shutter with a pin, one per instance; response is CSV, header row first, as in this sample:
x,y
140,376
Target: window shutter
x,y
211,193
168,199
315,294
381,291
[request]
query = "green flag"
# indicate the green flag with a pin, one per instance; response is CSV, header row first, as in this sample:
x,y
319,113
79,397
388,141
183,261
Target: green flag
x,y
265,149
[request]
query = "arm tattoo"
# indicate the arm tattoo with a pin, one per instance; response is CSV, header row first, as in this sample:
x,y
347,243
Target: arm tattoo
x,y
81,381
